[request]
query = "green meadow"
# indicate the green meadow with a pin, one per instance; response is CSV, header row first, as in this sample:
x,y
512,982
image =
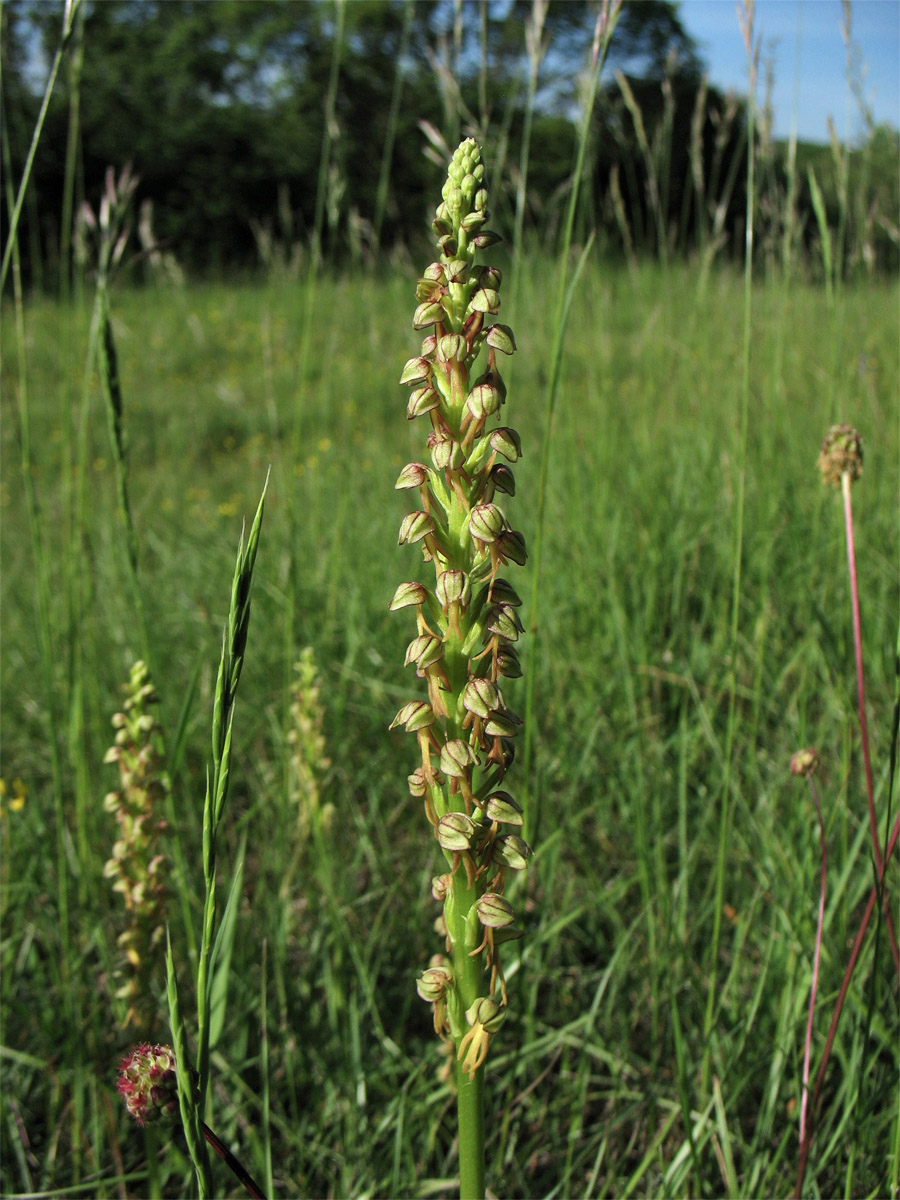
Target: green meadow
x,y
655,1035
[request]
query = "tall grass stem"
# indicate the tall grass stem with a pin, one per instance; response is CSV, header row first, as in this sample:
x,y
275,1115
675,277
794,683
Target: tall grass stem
x,y
390,135
43,600
846,485
535,48
874,897
807,1046
746,16
606,23
69,13
76,63
231,664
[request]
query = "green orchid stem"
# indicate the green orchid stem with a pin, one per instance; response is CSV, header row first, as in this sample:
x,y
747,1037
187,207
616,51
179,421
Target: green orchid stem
x,y
470,1115
468,971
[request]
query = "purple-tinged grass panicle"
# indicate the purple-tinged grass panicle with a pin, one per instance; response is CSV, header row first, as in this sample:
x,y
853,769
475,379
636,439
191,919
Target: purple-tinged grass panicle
x,y
110,230
466,629
138,867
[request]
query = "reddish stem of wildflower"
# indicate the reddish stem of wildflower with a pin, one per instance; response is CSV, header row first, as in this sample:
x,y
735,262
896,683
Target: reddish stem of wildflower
x,y
836,1015
815,975
860,679
230,1161
861,696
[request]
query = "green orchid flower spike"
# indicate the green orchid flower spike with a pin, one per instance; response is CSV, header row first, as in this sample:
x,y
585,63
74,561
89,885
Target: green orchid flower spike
x,y
467,626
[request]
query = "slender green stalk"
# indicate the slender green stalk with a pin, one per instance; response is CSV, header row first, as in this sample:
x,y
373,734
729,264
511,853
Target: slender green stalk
x,y
230,666
470,1112
846,483
264,1066
387,154
536,48
606,23
841,154
328,132
650,162
292,582
804,763
47,642
111,228
193,1093
69,14
65,231
746,15
187,1095
875,896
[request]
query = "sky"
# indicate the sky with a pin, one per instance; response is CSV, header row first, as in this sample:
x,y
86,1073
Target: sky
x,y
804,40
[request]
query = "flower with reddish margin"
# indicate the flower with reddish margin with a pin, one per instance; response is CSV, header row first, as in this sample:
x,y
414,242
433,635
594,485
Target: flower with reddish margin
x,y
148,1085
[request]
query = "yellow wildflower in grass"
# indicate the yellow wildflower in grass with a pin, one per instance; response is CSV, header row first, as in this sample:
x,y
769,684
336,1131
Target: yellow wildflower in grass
x,y
16,801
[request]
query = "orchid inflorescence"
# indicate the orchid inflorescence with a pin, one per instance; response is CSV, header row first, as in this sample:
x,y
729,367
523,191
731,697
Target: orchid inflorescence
x,y
138,867
468,624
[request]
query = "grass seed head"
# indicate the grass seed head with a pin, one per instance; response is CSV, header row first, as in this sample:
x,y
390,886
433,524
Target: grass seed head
x,y
804,762
841,454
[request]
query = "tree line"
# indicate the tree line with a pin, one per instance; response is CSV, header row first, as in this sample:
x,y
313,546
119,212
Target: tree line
x,y
262,126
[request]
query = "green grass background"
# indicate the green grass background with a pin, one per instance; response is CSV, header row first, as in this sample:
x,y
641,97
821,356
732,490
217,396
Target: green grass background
x,y
594,1084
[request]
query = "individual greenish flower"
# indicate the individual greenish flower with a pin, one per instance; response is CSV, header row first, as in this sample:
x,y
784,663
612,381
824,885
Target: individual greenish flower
x,y
467,622
485,1017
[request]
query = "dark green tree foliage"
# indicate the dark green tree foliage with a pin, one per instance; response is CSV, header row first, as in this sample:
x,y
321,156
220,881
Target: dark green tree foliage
x,y
220,107
669,137
651,42
873,208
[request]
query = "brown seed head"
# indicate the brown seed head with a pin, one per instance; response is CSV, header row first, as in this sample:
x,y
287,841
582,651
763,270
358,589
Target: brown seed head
x,y
841,455
804,762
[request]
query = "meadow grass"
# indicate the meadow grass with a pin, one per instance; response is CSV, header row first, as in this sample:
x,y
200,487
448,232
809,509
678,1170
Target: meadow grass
x,y
595,1085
